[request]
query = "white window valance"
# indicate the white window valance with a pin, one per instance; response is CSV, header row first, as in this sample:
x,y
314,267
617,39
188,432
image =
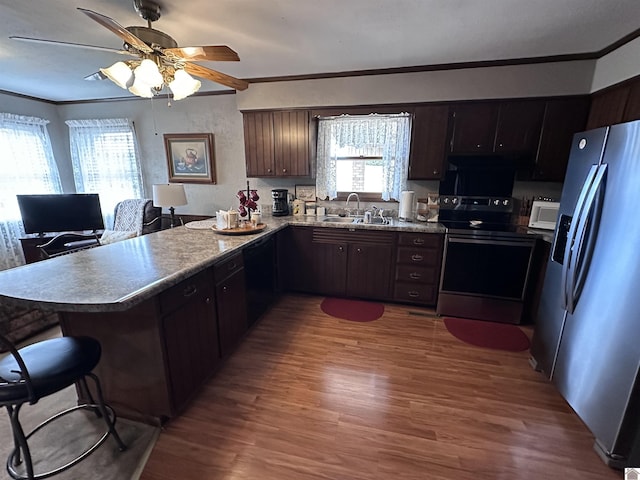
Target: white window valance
x,y
391,132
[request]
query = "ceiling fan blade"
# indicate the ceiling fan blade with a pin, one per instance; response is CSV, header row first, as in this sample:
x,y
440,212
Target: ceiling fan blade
x,y
118,29
217,53
69,44
96,76
215,76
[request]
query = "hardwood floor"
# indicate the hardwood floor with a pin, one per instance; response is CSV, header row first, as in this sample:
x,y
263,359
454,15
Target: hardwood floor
x,y
307,396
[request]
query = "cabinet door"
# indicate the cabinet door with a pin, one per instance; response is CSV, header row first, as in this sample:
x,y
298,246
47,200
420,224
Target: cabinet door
x,y
191,342
329,271
518,129
428,142
296,259
474,128
607,108
369,271
232,311
562,119
258,144
291,143
632,108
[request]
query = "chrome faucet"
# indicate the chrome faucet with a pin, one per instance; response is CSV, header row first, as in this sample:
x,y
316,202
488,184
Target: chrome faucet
x,y
346,205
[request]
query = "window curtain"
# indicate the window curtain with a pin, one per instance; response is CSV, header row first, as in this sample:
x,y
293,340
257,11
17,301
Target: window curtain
x,y
105,158
27,166
393,132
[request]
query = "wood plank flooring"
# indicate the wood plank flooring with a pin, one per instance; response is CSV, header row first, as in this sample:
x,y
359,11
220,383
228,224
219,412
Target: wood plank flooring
x,y
307,397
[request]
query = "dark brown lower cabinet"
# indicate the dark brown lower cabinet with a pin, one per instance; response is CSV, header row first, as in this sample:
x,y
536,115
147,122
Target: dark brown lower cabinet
x,y
353,263
418,262
190,335
230,303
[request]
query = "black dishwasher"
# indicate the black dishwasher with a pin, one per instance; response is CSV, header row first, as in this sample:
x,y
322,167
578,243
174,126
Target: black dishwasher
x,y
259,271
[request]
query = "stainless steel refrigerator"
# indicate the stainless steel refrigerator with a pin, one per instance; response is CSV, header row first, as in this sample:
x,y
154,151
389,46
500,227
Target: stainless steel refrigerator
x,y
587,331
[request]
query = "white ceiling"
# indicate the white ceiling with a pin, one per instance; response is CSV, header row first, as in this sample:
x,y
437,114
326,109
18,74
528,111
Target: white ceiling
x,y
276,38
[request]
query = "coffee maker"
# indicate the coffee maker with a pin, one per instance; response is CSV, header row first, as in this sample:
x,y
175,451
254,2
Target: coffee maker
x,y
280,202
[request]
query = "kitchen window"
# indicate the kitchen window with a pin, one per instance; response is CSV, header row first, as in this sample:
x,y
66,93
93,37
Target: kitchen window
x,y
364,154
104,153
27,166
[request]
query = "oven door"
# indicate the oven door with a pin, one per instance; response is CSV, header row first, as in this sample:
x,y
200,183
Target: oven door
x,y
485,278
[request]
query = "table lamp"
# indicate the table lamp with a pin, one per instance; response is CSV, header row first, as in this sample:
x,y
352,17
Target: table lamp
x,y
169,195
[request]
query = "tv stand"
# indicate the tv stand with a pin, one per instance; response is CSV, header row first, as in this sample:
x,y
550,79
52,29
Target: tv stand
x,y
59,244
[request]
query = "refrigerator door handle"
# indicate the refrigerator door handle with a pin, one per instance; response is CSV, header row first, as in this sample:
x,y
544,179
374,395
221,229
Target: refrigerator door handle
x,y
571,236
578,248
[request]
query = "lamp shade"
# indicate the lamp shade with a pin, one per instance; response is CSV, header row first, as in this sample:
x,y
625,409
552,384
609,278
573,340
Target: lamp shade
x,y
119,73
141,89
169,195
148,73
183,85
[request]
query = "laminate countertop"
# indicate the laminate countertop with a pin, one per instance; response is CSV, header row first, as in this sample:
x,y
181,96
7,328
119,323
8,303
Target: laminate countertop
x,y
117,276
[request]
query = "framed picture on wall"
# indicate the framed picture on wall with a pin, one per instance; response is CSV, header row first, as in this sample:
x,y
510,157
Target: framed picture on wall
x,y
190,157
306,193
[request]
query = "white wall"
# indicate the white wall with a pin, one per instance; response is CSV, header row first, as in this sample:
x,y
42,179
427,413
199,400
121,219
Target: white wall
x,y
617,66
549,79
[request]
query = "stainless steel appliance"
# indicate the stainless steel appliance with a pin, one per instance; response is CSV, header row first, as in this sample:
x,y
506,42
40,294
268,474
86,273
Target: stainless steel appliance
x,y
588,324
280,207
485,272
544,214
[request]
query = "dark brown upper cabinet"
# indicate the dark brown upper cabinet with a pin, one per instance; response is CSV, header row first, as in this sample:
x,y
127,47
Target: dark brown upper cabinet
x,y
608,108
518,129
428,142
562,119
473,128
632,107
503,128
277,143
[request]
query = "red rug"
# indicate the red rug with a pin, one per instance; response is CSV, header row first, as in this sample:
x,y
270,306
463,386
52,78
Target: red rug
x,y
354,310
499,336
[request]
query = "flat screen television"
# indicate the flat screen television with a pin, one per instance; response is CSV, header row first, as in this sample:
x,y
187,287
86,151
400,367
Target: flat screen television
x,y
60,212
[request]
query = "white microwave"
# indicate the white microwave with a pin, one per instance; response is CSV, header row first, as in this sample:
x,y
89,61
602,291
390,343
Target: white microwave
x,y
544,214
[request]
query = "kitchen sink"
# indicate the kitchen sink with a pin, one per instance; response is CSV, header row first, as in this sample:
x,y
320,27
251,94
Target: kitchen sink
x,y
343,219
359,219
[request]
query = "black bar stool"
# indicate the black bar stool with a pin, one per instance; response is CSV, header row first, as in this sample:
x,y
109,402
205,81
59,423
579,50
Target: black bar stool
x,y
39,370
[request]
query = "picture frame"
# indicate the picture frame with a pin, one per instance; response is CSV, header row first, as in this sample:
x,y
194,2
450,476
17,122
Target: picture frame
x,y
306,193
190,157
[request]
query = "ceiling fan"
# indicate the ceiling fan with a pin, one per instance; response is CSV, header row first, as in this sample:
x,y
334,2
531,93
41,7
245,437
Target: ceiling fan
x,y
158,61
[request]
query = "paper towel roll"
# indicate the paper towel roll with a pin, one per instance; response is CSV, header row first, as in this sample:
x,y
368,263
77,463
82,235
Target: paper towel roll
x,y
407,201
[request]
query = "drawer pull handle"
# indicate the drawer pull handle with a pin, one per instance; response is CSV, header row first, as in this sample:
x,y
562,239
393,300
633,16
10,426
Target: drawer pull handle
x,y
359,250
418,241
414,294
231,266
341,248
224,289
415,275
417,258
190,291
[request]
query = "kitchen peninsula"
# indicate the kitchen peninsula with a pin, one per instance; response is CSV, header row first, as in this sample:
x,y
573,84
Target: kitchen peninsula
x,y
166,307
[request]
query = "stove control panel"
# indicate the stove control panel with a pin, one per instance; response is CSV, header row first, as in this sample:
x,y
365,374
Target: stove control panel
x,y
480,204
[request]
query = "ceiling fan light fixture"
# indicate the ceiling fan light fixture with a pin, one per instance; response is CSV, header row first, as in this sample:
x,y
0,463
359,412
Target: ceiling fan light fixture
x,y
183,85
119,73
141,89
148,73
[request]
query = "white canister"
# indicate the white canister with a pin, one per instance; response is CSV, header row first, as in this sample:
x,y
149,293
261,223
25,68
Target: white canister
x,y
298,207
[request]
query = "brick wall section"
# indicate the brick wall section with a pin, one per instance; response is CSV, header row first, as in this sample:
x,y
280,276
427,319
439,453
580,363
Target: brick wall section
x,y
18,323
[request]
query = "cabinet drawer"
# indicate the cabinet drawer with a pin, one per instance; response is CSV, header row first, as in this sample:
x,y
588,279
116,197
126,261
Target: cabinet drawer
x,y
416,274
421,240
223,269
418,256
184,291
410,292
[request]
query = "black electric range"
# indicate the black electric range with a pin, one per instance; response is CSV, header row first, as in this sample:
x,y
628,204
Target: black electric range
x,y
478,216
